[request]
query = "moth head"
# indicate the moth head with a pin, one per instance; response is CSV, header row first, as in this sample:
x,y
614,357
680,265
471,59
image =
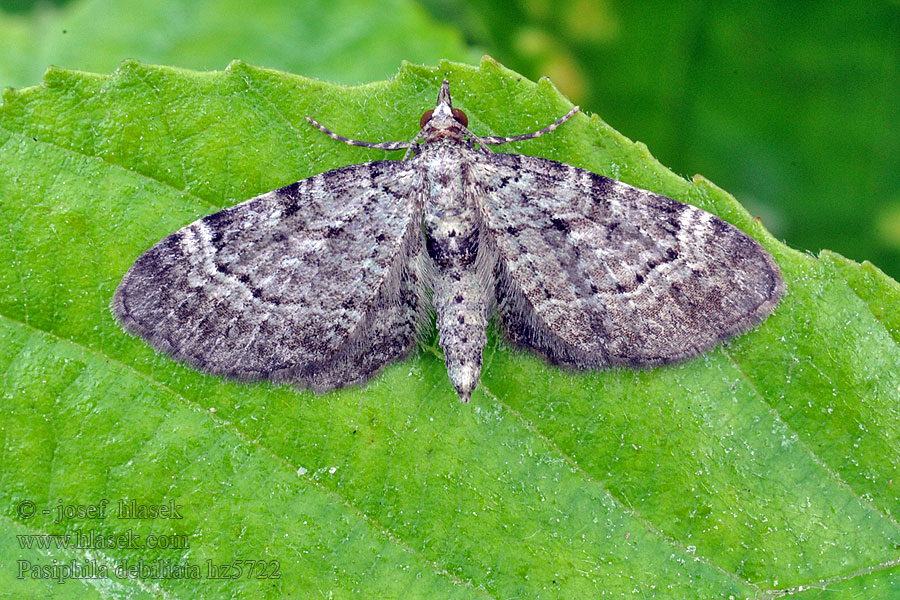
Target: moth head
x,y
443,117
458,115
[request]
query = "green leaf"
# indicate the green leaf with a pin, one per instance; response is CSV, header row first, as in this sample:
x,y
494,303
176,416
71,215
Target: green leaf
x,y
765,466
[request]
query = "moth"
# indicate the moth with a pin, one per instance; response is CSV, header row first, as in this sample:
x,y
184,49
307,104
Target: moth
x,y
323,282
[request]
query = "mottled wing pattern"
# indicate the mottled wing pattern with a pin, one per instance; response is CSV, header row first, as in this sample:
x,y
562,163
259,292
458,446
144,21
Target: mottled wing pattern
x,y
316,283
592,271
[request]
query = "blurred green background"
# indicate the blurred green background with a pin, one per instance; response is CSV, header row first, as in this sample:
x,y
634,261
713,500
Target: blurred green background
x,y
792,107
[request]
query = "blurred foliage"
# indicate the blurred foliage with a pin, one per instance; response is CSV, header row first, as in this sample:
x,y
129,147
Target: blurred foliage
x,y
793,107
24,6
349,41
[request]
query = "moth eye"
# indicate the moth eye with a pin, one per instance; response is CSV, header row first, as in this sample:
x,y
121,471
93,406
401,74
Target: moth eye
x,y
461,117
425,118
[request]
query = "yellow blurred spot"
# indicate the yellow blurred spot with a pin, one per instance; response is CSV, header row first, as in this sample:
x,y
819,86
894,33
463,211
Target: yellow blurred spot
x,y
552,61
537,10
565,73
888,226
590,21
532,42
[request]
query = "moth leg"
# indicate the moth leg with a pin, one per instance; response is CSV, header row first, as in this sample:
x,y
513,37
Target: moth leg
x,y
378,146
413,145
496,141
